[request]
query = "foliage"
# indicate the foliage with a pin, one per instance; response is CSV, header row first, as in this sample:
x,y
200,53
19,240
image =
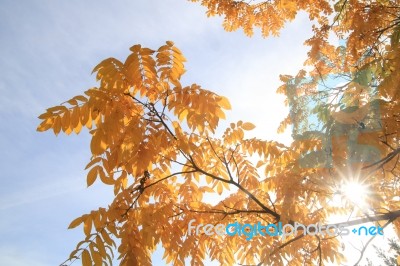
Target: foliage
x,y
393,258
154,141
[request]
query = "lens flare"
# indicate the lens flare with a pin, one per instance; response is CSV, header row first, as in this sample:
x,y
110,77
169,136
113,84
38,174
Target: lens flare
x,y
356,193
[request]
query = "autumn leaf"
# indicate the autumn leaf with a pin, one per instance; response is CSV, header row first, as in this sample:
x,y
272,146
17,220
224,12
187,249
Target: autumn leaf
x,y
86,260
224,103
75,222
92,175
248,126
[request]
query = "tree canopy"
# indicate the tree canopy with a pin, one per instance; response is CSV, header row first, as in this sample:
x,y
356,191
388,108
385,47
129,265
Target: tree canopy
x,y
156,142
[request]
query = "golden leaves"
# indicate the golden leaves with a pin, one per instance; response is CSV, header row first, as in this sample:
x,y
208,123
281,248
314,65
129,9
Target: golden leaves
x,y
145,124
269,16
63,118
235,133
201,108
170,63
140,68
128,129
96,248
112,74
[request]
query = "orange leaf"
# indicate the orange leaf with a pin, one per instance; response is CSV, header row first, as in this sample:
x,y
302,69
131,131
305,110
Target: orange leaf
x,y
86,259
92,175
87,227
75,222
224,103
248,126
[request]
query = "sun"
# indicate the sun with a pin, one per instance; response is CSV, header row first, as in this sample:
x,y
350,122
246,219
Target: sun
x,y
356,193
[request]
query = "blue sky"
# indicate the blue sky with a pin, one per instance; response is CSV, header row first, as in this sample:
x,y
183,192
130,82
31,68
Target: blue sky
x,y
48,50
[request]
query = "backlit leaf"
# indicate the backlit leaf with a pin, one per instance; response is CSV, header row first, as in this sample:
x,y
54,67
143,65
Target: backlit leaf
x,y
248,126
224,103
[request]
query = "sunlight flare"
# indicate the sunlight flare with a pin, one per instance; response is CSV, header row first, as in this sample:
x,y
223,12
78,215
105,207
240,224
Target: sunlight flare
x,y
356,192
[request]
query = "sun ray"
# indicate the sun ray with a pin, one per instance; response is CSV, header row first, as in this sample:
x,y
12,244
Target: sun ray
x,y
354,188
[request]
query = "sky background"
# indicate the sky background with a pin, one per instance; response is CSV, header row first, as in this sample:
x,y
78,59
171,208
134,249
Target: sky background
x,y
48,50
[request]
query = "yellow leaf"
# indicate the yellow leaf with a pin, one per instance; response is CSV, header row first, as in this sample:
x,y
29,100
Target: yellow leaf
x,y
65,121
224,103
209,179
80,98
84,114
248,126
260,163
78,128
73,253
72,102
98,145
57,125
86,259
220,113
58,108
219,188
100,246
45,115
195,205
183,114
45,125
96,258
97,221
89,121
87,227
92,162
75,222
75,117
107,238
92,175
105,179
207,189
124,181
